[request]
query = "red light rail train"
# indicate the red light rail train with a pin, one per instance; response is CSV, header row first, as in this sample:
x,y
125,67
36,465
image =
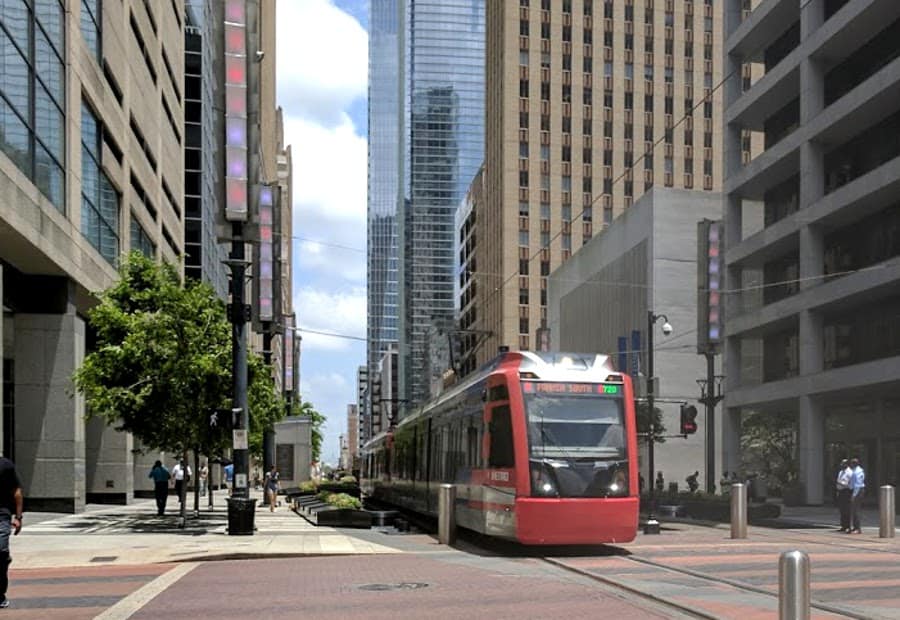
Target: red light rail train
x,y
542,449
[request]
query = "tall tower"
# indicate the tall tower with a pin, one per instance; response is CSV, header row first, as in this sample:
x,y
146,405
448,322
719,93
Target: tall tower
x,y
444,149
426,142
589,104
385,122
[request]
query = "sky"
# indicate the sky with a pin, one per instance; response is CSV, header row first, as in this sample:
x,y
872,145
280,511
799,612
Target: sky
x,y
322,72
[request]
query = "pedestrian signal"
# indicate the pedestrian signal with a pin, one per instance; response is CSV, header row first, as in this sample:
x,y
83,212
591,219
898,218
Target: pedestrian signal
x,y
688,419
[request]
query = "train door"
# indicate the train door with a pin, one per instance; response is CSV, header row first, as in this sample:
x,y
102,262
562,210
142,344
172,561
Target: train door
x,y
498,480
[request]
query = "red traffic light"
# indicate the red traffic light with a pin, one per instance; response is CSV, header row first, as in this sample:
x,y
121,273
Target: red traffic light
x,y
688,419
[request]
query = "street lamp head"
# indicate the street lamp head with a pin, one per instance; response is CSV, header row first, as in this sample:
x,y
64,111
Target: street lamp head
x,y
667,328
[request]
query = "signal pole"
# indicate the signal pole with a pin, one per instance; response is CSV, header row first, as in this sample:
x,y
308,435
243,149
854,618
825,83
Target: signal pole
x,y
239,313
710,395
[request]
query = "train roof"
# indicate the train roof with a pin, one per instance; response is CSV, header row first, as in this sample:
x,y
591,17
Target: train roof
x,y
539,365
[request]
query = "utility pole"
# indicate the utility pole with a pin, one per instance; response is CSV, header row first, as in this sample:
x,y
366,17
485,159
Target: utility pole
x,y
239,313
710,396
652,525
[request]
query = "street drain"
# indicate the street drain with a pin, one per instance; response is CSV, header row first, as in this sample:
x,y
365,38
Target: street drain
x,y
104,558
407,585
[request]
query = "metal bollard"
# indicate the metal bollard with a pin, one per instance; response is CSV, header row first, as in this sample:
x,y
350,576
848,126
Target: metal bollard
x,y
886,511
793,586
738,511
447,514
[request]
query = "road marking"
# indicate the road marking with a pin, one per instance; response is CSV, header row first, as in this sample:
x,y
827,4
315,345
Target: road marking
x,y
132,603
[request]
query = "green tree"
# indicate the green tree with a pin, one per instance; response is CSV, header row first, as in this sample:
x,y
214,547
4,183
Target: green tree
x,y
769,447
641,410
317,421
162,360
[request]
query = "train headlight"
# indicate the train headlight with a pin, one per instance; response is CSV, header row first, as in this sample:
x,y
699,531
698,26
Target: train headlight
x,y
618,487
543,483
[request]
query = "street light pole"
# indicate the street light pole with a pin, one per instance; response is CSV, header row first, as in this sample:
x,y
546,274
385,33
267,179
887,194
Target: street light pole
x,y
239,314
652,525
710,396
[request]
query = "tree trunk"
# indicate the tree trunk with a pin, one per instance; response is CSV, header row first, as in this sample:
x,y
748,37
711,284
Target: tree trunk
x,y
196,484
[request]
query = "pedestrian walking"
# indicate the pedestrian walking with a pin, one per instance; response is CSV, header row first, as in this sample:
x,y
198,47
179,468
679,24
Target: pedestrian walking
x,y
182,474
160,476
660,482
843,493
204,478
229,477
271,487
857,492
692,483
10,519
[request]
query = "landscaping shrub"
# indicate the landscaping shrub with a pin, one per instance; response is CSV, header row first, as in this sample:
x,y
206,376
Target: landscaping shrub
x,y
340,500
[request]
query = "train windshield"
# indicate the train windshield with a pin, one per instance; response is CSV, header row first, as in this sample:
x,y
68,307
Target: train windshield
x,y
574,420
576,439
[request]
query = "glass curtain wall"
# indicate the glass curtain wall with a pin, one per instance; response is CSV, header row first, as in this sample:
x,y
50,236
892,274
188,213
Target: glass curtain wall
x,y
444,148
385,119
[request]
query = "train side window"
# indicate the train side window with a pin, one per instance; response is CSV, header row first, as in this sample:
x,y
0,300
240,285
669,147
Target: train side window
x,y
501,438
498,392
472,446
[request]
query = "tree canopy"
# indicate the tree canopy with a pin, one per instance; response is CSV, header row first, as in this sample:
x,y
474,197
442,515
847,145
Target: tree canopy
x,y
161,363
317,420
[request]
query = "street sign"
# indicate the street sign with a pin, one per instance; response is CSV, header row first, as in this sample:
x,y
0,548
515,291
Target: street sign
x,y
239,437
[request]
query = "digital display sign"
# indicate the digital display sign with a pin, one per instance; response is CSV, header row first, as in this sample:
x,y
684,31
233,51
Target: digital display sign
x,y
579,389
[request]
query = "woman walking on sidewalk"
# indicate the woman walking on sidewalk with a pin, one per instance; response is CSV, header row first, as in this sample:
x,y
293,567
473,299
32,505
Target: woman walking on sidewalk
x,y
160,476
271,488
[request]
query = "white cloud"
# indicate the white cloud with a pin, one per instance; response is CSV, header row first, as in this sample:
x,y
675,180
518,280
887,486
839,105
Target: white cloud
x,y
328,393
323,57
335,312
329,170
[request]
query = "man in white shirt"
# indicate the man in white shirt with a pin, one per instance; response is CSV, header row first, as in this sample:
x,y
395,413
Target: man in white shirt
x,y
181,473
857,491
842,485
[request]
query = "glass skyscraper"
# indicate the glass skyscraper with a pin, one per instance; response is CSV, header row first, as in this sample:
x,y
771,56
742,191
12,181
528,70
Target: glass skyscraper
x,y
426,143
444,103
384,142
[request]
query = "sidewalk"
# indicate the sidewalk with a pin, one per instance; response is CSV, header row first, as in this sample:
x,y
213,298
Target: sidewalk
x,y
133,534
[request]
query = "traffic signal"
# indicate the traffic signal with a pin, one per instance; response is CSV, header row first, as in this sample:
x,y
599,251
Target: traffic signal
x,y
688,419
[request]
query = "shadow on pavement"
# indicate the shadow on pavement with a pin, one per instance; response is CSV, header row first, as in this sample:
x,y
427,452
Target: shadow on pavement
x,y
149,523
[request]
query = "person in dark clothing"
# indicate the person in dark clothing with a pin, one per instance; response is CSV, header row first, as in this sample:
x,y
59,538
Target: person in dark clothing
x,y
160,476
10,519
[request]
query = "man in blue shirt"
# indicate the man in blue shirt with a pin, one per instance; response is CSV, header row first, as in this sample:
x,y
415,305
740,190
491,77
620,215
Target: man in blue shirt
x,y
858,489
229,477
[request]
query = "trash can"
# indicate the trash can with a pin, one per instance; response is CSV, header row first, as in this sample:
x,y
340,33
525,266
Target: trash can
x,y
241,511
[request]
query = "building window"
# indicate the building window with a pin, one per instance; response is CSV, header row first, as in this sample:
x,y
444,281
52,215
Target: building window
x,y
140,240
523,238
99,199
90,26
523,178
523,120
523,149
32,94
523,296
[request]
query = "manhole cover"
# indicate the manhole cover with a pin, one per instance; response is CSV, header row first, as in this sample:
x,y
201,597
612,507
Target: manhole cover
x,y
408,585
104,558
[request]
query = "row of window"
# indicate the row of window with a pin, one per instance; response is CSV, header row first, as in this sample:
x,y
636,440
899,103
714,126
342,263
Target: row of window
x,y
628,10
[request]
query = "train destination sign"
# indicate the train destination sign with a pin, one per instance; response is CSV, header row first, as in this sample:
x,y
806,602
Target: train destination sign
x,y
548,387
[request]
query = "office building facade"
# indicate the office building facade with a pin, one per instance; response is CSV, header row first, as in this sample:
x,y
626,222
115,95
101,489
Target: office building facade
x,y
589,104
91,168
812,230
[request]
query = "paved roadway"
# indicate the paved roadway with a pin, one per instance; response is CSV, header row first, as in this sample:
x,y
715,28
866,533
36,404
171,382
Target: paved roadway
x,y
123,562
